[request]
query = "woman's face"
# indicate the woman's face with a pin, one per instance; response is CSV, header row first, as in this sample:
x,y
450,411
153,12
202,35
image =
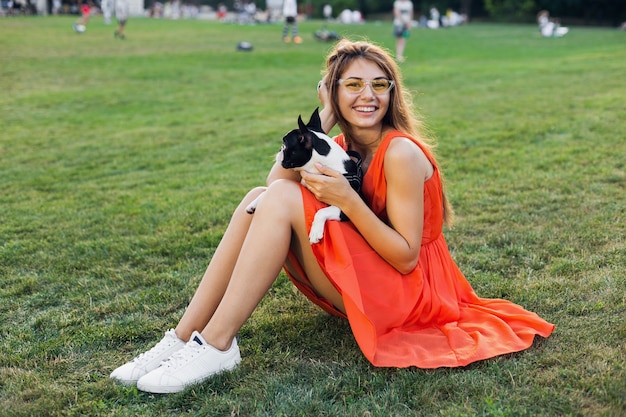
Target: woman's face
x,y
365,109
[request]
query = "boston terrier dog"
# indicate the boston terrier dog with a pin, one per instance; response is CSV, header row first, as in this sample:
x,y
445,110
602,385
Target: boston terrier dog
x,y
302,149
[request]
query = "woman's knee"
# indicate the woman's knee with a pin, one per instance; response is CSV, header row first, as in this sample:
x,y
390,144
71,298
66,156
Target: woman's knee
x,y
283,194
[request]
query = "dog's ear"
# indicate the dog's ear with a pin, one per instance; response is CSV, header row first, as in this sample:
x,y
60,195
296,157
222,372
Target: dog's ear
x,y
315,123
301,125
304,135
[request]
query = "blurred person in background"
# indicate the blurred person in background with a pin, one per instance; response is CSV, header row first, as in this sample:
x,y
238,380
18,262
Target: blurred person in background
x,y
121,14
402,18
107,10
85,13
290,13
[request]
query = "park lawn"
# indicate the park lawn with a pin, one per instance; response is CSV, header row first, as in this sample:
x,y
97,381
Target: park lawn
x,y
121,161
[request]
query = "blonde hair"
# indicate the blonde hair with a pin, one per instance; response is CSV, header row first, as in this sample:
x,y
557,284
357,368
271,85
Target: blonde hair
x,y
400,113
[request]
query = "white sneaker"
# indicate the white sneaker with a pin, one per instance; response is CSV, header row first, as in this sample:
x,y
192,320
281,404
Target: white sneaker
x,y
130,373
193,364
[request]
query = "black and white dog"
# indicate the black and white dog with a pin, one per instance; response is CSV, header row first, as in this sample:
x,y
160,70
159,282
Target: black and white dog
x,y
302,149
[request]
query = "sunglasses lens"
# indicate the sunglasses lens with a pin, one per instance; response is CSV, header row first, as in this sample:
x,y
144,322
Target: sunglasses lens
x,y
354,84
380,86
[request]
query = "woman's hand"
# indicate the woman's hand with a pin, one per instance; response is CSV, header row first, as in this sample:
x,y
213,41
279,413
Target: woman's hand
x,y
327,116
329,187
322,93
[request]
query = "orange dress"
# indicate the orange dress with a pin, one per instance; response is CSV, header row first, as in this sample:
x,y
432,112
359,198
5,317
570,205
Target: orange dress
x,y
430,317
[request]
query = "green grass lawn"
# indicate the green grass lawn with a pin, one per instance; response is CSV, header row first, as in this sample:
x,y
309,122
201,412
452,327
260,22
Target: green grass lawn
x,y
121,161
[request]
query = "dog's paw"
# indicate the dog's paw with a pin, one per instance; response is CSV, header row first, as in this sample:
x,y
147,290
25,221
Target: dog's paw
x,y
317,232
251,208
321,217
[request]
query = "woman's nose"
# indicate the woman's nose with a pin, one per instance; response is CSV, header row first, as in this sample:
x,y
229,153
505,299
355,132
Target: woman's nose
x,y
368,91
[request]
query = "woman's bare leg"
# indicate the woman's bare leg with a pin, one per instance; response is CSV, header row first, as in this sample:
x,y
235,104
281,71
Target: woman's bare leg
x,y
314,276
278,219
217,276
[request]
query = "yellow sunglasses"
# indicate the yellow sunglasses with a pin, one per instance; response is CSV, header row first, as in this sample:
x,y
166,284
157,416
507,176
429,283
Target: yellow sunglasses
x,y
357,85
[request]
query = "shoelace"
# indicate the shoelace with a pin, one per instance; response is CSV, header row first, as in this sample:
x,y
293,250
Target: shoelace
x,y
181,357
156,350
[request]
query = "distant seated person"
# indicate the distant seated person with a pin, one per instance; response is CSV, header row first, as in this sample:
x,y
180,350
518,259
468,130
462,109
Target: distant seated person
x,y
453,18
550,28
433,22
